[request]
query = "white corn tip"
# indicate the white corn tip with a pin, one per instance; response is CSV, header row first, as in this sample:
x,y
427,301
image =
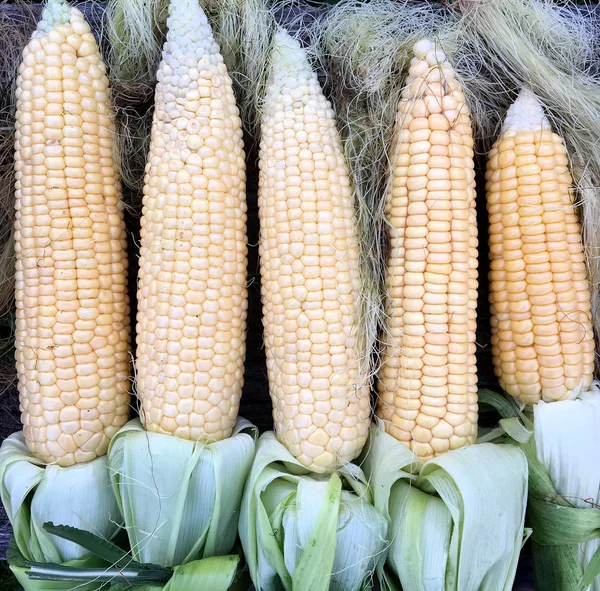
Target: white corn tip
x,y
525,114
56,12
425,49
188,29
288,55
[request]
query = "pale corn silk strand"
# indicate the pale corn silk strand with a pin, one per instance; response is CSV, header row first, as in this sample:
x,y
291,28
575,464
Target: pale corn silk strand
x,y
309,269
192,295
72,334
428,382
542,337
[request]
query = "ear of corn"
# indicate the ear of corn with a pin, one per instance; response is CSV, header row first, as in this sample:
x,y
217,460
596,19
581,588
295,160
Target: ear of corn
x,y
428,382
72,333
543,346
72,336
542,338
179,474
192,296
309,269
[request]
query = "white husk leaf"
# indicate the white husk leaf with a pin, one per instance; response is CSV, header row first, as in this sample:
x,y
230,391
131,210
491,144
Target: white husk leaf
x,y
289,512
462,512
567,438
180,499
34,493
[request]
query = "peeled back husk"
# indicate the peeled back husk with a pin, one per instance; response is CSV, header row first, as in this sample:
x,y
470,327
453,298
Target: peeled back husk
x,y
567,442
180,499
456,523
34,493
302,530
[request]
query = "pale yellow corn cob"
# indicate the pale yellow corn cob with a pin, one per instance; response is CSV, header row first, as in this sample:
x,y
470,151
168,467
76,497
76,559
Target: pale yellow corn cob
x,y
542,339
192,295
309,269
72,334
428,380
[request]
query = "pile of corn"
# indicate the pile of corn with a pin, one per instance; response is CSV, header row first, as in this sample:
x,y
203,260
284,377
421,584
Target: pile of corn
x,y
374,472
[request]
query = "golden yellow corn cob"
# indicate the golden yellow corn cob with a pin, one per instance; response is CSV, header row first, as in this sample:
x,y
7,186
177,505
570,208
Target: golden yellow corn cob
x,y
192,295
428,380
72,334
542,339
309,269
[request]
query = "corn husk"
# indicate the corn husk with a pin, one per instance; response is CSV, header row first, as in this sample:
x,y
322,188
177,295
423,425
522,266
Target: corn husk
x,y
456,523
301,530
562,442
567,439
180,499
34,493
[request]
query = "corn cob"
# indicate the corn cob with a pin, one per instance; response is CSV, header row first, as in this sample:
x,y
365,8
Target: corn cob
x,y
192,291
309,269
542,339
72,332
427,384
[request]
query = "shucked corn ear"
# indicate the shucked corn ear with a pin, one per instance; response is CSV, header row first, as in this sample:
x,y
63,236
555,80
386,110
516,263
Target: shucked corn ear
x,y
542,339
72,334
427,384
191,322
309,269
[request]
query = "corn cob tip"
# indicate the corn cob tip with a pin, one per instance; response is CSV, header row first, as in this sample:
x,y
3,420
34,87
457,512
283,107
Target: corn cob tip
x,y
56,12
526,114
425,49
187,25
287,57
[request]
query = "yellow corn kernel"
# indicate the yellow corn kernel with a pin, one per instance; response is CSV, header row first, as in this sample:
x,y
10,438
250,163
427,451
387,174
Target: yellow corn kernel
x,y
192,295
428,382
309,269
542,339
72,328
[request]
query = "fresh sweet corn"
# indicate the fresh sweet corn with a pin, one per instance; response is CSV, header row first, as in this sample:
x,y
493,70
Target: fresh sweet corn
x,y
309,269
192,294
72,332
428,381
542,339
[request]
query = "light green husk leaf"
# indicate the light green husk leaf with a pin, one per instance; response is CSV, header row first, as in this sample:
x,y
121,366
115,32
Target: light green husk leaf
x,y
552,50
34,493
180,499
456,523
216,573
301,530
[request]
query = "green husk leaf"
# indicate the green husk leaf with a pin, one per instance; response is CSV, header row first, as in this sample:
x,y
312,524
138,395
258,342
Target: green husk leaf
x,y
591,571
180,499
34,494
555,524
439,508
301,530
103,549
